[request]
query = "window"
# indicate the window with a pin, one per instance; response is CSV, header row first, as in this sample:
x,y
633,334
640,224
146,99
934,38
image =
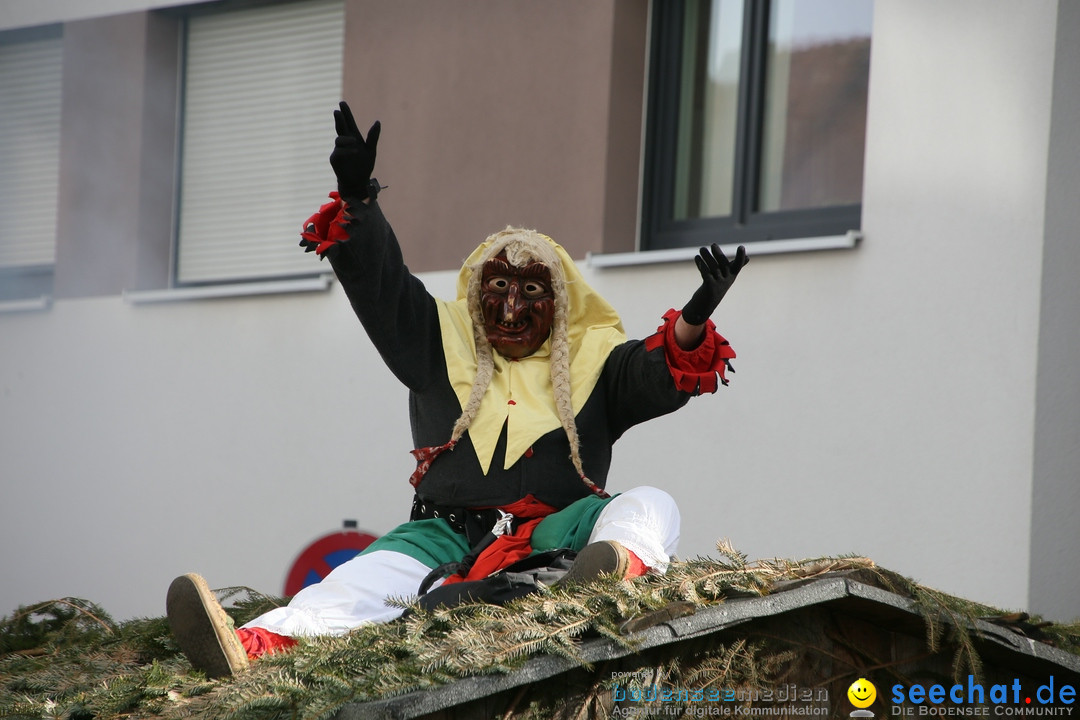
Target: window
x,y
259,88
30,74
757,120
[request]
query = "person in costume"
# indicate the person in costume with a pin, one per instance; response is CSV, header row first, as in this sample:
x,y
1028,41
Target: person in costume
x,y
517,391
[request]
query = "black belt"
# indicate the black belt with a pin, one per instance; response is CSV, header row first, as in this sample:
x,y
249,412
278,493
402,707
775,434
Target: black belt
x,y
478,527
472,523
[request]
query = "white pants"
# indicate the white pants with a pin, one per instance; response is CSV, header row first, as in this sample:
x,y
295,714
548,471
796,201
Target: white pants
x,y
644,520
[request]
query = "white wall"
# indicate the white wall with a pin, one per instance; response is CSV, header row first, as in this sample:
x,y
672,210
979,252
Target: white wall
x,y
1055,580
884,400
954,203
139,442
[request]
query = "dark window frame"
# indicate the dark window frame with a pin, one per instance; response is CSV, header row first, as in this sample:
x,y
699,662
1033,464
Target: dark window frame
x,y
745,225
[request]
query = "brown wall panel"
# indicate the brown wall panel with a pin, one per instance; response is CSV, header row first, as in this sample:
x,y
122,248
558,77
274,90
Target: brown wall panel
x,y
117,148
500,112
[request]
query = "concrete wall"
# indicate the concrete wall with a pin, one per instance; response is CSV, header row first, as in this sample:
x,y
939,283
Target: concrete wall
x,y
907,400
1055,533
944,306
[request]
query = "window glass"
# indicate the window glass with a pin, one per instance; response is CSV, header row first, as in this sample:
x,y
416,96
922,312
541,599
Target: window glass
x,y
709,104
814,130
757,120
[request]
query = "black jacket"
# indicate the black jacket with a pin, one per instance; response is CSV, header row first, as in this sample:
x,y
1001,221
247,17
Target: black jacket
x,y
402,320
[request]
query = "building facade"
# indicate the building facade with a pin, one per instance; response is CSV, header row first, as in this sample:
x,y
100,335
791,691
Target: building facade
x,y
183,389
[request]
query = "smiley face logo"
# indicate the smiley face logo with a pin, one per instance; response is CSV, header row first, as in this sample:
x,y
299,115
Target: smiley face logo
x,y
862,693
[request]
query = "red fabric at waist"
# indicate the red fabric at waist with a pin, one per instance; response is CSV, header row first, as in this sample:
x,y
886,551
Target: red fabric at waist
x,y
508,549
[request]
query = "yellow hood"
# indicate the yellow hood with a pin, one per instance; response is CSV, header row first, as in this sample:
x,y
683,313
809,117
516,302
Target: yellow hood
x,y
520,394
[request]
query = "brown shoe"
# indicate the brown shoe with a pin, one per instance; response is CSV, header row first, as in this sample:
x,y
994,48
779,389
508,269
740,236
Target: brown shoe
x,y
606,557
202,629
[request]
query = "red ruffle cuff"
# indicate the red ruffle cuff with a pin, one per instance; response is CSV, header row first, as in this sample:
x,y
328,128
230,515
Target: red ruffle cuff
x,y
326,227
697,370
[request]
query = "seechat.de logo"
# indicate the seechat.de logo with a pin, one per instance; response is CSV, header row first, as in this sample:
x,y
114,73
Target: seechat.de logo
x,y
973,698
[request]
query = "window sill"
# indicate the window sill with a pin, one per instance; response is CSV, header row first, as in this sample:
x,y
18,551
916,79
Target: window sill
x,y
206,292
28,305
846,241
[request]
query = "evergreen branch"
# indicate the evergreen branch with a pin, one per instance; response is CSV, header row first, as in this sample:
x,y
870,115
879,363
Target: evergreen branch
x,y
76,604
68,659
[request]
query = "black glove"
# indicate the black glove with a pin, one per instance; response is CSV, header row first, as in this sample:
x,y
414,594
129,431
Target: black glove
x,y
353,158
717,275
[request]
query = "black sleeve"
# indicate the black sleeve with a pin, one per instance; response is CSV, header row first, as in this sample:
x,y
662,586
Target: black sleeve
x,y
395,308
638,386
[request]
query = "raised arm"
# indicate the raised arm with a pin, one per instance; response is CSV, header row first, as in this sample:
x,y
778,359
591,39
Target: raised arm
x,y
395,308
685,357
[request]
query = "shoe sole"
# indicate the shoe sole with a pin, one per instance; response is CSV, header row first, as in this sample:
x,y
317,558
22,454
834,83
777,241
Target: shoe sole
x,y
202,628
596,559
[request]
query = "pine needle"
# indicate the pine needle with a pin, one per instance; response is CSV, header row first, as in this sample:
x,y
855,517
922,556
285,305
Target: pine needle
x,y
68,659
